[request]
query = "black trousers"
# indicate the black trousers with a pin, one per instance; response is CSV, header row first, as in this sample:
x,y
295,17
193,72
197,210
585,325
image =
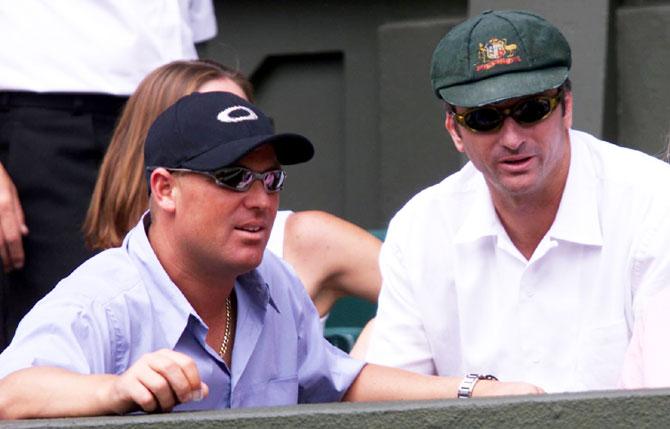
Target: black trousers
x,y
51,145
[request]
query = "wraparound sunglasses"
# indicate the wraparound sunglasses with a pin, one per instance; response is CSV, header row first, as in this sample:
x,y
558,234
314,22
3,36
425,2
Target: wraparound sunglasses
x,y
526,111
240,179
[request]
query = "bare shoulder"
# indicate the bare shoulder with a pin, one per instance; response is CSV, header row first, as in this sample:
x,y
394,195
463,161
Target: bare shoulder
x,y
333,257
315,227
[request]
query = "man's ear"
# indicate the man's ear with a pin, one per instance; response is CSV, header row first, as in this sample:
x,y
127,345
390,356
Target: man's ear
x,y
451,126
163,189
567,115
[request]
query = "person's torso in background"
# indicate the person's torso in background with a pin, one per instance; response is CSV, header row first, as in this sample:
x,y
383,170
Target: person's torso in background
x,y
104,46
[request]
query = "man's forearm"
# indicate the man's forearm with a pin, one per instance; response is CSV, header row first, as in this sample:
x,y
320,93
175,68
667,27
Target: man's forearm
x,y
157,381
55,392
380,383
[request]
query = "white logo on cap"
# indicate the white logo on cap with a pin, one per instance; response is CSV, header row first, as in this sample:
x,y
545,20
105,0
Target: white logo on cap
x,y
247,114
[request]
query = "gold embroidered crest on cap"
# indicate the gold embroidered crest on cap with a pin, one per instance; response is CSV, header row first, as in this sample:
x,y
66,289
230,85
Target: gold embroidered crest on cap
x,y
496,51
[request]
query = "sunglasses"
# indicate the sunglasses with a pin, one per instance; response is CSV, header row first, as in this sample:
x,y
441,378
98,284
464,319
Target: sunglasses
x,y
240,179
525,112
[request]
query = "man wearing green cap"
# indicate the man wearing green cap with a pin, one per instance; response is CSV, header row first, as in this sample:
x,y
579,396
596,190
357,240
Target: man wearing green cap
x,y
532,261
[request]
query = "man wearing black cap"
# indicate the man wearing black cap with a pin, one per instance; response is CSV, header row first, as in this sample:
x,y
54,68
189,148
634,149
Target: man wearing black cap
x,y
190,312
532,261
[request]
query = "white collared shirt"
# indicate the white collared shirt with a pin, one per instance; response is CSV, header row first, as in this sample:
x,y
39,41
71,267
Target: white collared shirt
x,y
458,297
101,46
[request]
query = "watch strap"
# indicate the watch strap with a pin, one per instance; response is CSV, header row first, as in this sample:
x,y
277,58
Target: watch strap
x,y
468,384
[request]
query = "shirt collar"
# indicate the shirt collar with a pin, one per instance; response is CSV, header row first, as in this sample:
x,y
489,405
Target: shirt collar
x,y
481,220
168,301
577,219
254,285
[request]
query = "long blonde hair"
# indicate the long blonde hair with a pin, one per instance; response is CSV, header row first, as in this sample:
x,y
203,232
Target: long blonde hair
x,y
120,195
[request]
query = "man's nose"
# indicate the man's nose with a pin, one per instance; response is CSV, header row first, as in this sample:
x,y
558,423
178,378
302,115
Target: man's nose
x,y
258,197
511,134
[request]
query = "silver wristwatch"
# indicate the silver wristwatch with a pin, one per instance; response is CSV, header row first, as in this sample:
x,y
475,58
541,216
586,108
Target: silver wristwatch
x,y
468,384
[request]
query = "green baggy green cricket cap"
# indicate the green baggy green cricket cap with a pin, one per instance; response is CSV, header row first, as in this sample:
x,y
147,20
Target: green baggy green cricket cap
x,y
499,55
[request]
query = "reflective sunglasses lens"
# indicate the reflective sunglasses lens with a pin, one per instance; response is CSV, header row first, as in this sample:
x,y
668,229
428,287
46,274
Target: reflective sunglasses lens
x,y
274,180
484,119
239,179
532,110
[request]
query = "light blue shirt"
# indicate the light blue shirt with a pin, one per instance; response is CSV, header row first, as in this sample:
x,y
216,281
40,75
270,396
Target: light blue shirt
x,y
121,304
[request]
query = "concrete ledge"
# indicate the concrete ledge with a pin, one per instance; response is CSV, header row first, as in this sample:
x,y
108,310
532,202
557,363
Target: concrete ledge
x,y
602,409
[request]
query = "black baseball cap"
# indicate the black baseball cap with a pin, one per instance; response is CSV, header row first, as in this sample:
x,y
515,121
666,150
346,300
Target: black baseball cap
x,y
499,55
211,130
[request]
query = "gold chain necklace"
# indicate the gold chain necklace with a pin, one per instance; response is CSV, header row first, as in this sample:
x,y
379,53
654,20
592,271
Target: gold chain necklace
x,y
229,326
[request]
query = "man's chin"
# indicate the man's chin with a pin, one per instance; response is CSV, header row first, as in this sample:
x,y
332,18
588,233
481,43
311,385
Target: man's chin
x,y
250,263
518,186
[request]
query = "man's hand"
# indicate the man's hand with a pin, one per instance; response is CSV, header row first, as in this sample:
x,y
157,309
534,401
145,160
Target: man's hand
x,y
157,382
12,224
504,388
